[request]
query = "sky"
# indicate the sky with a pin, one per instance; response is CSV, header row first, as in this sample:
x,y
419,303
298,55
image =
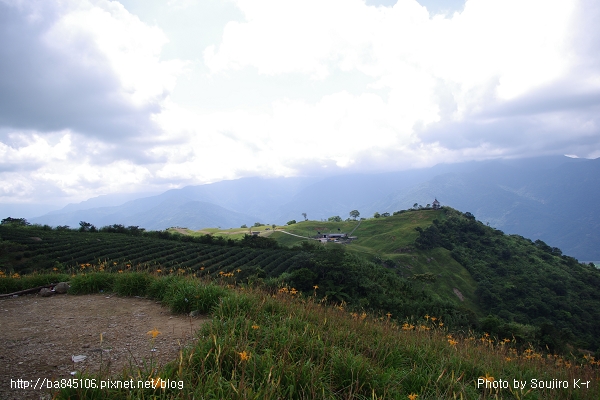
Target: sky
x,y
100,97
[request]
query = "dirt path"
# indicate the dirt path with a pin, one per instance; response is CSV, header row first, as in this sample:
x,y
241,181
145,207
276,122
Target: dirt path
x,y
40,335
293,234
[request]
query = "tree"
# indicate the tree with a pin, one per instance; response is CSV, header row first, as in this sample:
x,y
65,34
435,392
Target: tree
x,y
469,215
244,226
135,230
376,215
337,218
292,222
257,224
273,226
15,221
354,214
304,215
86,227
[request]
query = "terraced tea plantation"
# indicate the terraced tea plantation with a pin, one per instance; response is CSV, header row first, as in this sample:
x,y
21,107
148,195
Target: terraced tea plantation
x,y
25,250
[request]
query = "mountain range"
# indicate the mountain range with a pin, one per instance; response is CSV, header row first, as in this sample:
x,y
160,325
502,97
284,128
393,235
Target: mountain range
x,y
554,199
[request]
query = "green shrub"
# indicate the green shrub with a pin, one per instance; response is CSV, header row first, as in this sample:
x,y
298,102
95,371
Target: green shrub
x,y
94,282
209,297
159,287
235,305
133,284
186,295
44,279
10,285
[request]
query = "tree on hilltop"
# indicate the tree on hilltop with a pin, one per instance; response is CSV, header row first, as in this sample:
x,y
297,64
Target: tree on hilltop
x,y
15,221
354,214
86,227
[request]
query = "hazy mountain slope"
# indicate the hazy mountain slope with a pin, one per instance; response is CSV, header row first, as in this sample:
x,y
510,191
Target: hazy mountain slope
x,y
338,195
254,196
533,200
191,214
109,200
550,198
249,200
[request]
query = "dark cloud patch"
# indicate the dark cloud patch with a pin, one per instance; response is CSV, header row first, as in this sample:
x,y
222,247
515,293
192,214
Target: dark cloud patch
x,y
521,135
46,90
557,97
562,117
19,167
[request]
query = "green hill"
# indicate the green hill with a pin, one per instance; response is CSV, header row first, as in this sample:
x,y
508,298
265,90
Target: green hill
x,y
389,241
375,318
416,262
282,345
514,285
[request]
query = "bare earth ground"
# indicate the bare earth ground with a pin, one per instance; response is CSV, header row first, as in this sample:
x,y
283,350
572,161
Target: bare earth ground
x,y
39,336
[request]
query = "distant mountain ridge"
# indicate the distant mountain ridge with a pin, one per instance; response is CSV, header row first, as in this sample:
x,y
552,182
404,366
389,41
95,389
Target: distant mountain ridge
x,y
547,198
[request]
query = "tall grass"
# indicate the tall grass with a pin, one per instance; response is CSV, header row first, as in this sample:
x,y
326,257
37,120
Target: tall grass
x,y
285,346
132,283
93,282
13,283
187,294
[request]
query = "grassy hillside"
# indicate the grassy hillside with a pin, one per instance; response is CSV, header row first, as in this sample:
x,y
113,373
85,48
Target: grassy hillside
x,y
267,345
389,241
516,286
385,241
521,281
341,321
341,276
416,262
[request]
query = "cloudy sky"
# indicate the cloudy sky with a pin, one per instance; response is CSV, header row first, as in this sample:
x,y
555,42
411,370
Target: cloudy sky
x,y
101,96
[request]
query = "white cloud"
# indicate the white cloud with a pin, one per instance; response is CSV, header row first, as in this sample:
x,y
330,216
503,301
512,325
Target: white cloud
x,y
284,37
88,179
512,45
501,78
131,47
33,148
66,163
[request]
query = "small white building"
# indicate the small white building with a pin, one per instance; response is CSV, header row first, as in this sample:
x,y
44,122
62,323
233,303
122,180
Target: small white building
x,y
331,237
